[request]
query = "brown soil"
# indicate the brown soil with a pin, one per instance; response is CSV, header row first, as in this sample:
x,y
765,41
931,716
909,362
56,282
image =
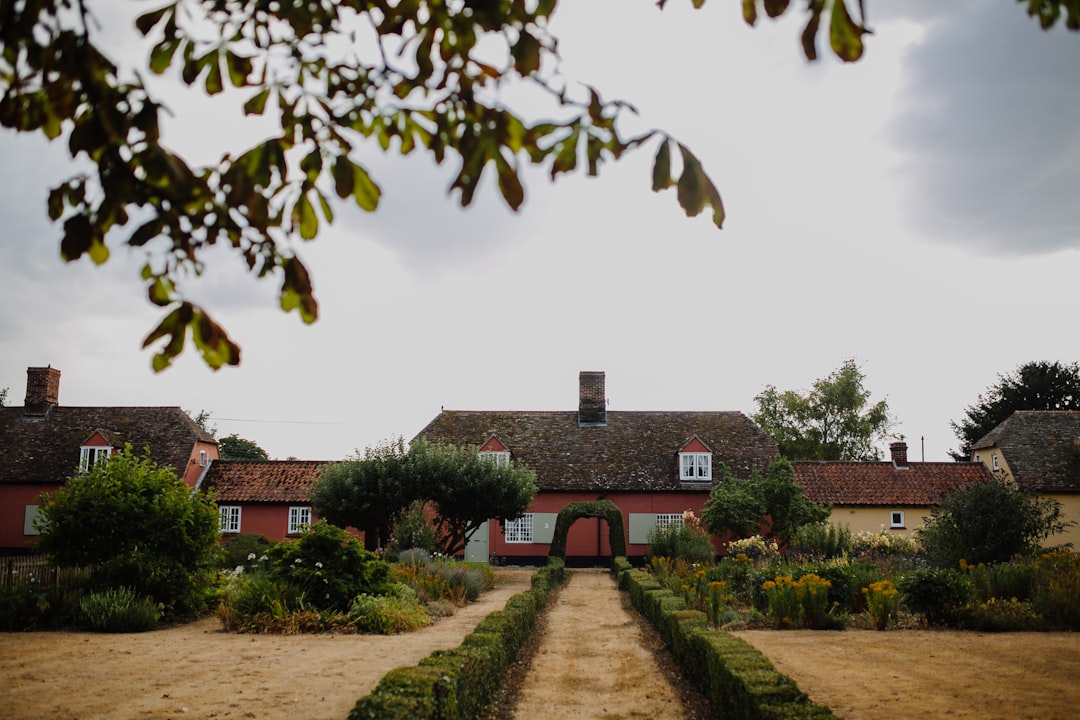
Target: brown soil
x,y
920,674
595,658
196,671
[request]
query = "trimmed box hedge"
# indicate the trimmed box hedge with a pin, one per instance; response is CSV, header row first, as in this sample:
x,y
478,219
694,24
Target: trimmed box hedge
x,y
739,681
459,683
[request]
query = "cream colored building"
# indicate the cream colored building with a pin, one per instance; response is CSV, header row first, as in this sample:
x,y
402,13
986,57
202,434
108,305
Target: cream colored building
x,y
1039,450
894,495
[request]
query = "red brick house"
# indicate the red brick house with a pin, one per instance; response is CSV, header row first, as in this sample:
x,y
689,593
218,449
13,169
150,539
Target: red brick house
x,y
895,495
45,443
263,497
652,465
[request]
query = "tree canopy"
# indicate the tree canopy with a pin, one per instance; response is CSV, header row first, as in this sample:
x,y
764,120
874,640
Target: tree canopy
x,y
834,421
393,75
461,490
1031,386
138,526
234,447
774,505
989,522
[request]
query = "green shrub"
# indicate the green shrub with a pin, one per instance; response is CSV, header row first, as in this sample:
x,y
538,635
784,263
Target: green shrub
x,y
119,610
388,614
687,540
329,565
1057,590
411,531
33,605
882,602
996,615
821,540
241,550
938,594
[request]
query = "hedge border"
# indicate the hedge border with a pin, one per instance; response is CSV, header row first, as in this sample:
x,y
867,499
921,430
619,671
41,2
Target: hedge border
x,y
739,681
459,683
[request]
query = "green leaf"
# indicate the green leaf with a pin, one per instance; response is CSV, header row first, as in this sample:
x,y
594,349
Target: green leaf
x,y
97,251
146,22
344,179
77,237
696,189
296,291
216,346
214,83
365,191
809,33
256,104
56,202
509,184
162,55
661,175
845,35
304,218
526,52
239,68
160,291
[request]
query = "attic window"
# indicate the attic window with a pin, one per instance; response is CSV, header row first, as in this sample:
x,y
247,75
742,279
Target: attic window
x,y
91,456
202,458
994,460
695,467
501,458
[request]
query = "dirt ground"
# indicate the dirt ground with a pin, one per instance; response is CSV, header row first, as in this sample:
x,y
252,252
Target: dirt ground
x,y
922,674
196,671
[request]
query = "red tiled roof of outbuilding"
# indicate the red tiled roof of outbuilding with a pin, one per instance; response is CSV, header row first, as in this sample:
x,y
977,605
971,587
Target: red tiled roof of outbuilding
x,y
272,481
883,483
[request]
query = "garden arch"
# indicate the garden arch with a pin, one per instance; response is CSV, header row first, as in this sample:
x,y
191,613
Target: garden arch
x,y
603,509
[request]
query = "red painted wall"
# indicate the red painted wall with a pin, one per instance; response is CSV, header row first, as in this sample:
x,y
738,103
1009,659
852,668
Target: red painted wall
x,y
13,502
588,537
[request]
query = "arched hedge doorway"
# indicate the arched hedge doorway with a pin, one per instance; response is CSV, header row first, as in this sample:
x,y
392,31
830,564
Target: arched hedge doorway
x,y
603,509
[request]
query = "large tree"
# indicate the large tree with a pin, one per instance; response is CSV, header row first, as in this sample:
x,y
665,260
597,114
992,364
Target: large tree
x,y
833,421
234,447
1032,386
330,76
774,504
461,490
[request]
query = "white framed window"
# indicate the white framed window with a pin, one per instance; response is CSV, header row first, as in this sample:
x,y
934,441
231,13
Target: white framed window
x,y
669,521
695,467
994,461
229,518
202,458
91,456
896,519
499,458
299,519
520,530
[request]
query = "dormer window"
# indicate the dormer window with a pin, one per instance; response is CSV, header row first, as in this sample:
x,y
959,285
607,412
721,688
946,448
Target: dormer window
x,y
695,467
494,451
695,462
202,458
499,458
91,456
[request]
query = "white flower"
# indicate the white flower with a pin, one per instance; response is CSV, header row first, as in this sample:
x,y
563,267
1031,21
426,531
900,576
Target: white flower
x,y
251,556
318,564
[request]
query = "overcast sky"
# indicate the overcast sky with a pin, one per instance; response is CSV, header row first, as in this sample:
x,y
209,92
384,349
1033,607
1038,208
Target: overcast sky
x,y
916,211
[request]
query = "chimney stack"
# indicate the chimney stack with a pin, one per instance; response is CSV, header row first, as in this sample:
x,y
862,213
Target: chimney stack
x,y
42,391
592,406
899,454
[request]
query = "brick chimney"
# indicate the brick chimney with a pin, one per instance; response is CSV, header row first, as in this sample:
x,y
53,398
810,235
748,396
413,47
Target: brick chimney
x,y
899,454
592,406
42,391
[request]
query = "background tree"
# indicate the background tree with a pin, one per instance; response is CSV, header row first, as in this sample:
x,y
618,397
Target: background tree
x,y
3,396
461,490
834,421
203,419
138,526
989,522
234,447
1032,386
421,84
744,506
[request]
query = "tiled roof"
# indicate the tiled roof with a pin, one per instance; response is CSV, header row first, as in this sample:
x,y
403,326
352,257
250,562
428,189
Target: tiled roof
x,y
882,483
635,451
1039,446
46,450
272,481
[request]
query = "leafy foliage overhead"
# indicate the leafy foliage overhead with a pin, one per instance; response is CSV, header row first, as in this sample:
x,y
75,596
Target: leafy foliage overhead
x,y
1032,386
834,421
234,447
332,77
